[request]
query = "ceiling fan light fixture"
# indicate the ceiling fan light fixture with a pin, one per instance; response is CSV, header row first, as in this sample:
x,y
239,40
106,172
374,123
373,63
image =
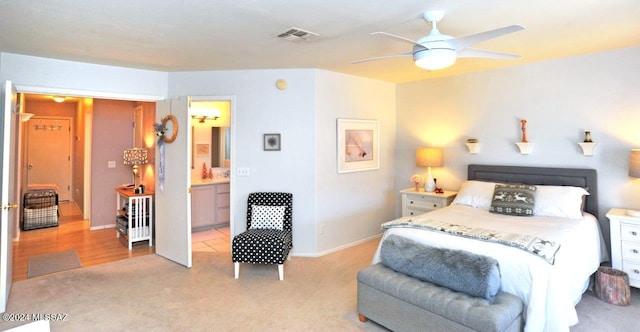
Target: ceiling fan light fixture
x,y
435,58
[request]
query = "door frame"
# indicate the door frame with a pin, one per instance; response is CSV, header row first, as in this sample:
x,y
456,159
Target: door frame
x,y
232,127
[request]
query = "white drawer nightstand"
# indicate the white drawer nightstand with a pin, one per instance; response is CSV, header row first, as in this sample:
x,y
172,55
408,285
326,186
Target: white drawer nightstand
x,y
418,202
625,244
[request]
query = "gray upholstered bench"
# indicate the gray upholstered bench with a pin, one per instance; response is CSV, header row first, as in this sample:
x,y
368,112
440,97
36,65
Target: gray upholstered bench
x,y
402,303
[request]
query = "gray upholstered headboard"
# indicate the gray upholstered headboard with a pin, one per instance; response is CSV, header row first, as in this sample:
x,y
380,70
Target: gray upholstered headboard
x,y
577,177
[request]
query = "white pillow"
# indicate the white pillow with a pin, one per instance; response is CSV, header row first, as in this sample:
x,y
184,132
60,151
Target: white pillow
x,y
267,217
477,194
559,201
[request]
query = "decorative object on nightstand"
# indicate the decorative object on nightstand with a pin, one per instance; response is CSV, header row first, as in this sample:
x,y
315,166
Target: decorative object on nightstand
x,y
416,179
625,244
428,157
135,157
588,145
473,145
418,202
634,172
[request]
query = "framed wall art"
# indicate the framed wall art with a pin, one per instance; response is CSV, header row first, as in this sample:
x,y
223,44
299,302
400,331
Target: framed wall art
x,y
358,145
202,149
271,142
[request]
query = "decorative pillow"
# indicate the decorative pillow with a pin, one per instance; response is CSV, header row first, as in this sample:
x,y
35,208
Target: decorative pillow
x,y
460,270
513,199
559,201
267,217
476,194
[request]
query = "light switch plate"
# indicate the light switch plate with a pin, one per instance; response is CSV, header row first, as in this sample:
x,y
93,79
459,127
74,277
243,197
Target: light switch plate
x,y
111,164
243,171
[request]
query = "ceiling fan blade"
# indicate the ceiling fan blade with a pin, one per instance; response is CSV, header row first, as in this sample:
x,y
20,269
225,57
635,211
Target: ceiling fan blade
x,y
384,57
478,53
407,40
466,41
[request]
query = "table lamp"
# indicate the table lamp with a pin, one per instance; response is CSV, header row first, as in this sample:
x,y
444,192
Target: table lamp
x,y
634,171
135,157
429,157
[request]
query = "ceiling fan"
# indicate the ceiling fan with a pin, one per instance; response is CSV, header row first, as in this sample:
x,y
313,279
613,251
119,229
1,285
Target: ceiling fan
x,y
437,51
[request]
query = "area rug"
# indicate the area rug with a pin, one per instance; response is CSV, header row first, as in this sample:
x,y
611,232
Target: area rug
x,y
53,262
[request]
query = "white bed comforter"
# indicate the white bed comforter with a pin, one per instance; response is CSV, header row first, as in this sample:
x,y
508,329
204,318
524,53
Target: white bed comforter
x,y
550,292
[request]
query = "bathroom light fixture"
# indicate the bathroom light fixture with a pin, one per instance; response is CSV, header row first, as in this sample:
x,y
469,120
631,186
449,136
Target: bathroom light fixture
x,y
203,114
427,157
135,157
59,99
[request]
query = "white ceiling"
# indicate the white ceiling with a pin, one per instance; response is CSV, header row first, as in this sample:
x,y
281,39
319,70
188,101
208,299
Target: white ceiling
x,y
196,35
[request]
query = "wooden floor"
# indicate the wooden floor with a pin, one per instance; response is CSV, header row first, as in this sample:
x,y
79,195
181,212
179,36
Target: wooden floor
x,y
93,247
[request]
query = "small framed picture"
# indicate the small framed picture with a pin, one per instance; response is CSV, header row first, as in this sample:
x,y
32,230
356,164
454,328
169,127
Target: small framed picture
x,y
272,142
202,149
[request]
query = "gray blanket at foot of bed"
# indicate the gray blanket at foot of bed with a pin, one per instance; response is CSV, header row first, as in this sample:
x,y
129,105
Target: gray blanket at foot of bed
x,y
459,270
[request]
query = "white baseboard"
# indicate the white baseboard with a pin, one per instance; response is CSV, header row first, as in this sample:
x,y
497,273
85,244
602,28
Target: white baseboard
x,y
342,247
97,228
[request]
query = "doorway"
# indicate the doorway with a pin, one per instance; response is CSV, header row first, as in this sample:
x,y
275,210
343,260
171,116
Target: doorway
x,y
94,242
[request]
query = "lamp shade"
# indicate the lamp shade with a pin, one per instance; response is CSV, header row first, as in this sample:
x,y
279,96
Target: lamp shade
x,y
429,157
634,163
135,156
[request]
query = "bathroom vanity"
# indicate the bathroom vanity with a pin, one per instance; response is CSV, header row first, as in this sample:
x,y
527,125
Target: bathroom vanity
x,y
209,203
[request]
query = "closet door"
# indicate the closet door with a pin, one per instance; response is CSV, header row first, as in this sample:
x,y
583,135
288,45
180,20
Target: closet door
x,y
172,194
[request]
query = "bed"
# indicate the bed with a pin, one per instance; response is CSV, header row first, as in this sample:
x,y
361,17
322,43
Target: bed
x,y
549,288
40,207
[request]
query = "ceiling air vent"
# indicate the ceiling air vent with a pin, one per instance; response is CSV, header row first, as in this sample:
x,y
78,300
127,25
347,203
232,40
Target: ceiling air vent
x,y
296,34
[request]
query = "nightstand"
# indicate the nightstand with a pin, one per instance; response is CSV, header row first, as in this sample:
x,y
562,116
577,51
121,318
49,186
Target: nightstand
x,y
418,202
625,244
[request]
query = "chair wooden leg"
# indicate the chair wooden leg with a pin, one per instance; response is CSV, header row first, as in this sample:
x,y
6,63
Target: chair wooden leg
x,y
281,271
236,269
289,256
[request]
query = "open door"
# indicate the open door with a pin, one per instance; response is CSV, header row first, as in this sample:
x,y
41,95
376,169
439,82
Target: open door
x,y
8,203
173,182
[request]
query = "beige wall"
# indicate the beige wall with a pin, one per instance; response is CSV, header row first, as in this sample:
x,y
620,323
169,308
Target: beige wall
x,y
111,133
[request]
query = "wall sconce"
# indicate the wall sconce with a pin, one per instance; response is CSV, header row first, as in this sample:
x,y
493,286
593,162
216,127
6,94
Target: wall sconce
x,y
59,99
427,157
203,114
135,157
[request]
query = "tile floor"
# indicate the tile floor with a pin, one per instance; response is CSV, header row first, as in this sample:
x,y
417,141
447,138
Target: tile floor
x,y
215,239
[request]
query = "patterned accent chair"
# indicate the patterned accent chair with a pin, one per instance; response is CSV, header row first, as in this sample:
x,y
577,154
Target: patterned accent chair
x,y
268,238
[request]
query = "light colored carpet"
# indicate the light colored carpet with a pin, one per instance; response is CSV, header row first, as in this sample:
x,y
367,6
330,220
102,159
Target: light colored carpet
x,y
150,293
52,263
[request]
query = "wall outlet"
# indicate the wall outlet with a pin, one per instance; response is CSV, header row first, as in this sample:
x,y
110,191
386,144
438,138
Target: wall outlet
x,y
321,228
111,164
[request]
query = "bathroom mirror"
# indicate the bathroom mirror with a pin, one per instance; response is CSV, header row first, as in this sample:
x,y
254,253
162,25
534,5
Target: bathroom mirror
x,y
220,154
